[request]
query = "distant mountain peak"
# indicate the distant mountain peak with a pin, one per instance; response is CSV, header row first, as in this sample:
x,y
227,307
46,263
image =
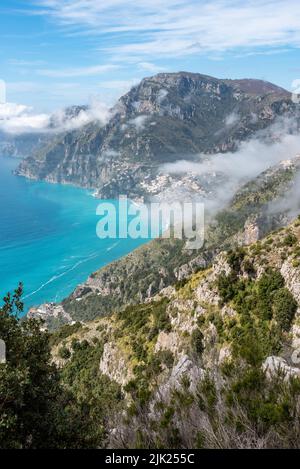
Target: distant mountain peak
x,y
166,117
251,86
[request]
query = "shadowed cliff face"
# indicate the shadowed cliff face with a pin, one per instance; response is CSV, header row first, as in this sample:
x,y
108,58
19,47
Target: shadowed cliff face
x,y
161,120
20,146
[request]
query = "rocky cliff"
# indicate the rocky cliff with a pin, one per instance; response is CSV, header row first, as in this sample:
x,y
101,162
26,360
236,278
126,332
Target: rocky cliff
x,y
164,118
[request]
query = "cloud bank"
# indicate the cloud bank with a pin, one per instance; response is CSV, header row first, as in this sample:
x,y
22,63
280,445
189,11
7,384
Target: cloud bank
x,y
20,119
252,158
270,147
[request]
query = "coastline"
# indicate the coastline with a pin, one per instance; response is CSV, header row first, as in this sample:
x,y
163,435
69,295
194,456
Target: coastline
x,y
55,247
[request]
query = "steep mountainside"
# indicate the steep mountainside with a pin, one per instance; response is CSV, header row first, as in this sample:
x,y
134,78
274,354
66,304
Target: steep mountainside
x,y
165,117
256,209
205,364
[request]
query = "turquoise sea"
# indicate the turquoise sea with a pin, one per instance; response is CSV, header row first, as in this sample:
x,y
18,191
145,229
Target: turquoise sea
x,y
48,237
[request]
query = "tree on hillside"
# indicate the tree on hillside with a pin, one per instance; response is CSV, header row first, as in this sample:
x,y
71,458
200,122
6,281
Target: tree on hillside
x,y
31,398
40,405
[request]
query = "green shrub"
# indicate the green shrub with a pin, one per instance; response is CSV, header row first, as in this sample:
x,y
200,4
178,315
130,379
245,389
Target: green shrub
x,y
64,353
139,351
64,332
181,283
165,357
249,267
289,240
284,308
161,318
235,258
270,281
226,285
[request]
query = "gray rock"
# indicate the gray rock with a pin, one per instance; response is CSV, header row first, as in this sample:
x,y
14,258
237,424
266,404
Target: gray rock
x,y
276,365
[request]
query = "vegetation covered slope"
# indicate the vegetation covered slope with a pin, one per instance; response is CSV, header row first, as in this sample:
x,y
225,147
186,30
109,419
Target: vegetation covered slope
x,y
37,410
211,362
208,363
255,210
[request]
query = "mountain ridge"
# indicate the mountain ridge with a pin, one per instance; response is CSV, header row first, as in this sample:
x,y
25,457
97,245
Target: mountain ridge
x,y
207,364
253,211
163,119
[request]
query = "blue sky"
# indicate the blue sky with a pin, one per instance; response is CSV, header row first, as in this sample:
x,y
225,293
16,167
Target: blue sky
x,y
59,52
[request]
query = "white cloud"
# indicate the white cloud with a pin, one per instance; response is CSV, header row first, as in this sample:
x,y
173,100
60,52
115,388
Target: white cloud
x,y
20,119
180,27
97,111
9,110
280,142
78,72
262,52
231,119
139,122
231,170
162,94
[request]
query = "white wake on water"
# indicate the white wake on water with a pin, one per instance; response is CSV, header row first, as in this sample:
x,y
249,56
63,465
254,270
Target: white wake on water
x,y
55,277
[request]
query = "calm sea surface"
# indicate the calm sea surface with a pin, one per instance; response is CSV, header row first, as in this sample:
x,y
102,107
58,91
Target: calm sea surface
x,y
48,237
